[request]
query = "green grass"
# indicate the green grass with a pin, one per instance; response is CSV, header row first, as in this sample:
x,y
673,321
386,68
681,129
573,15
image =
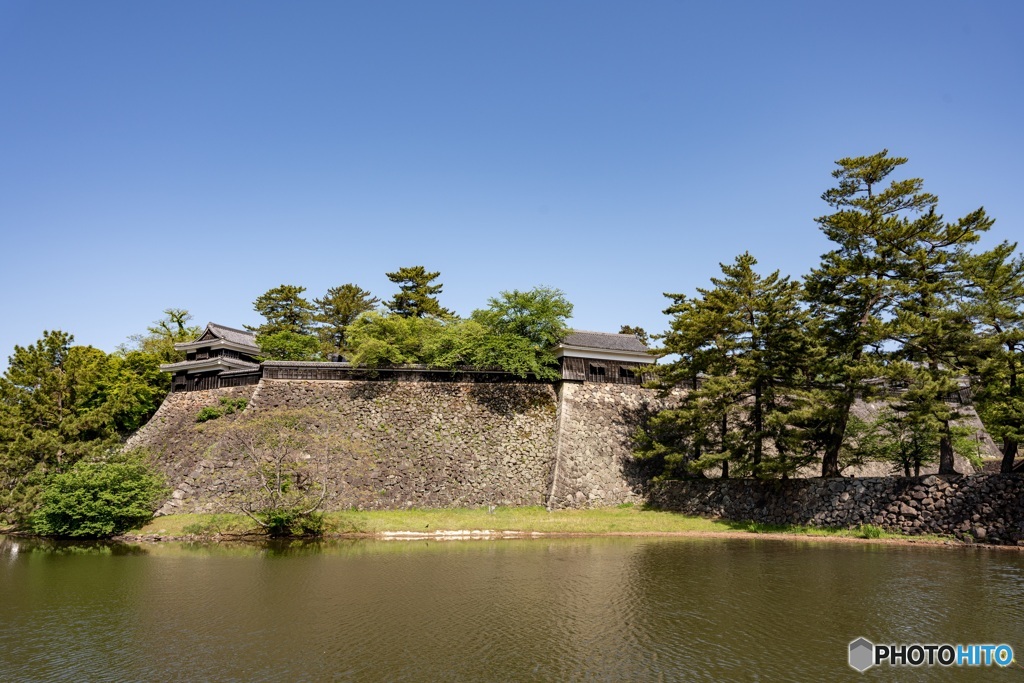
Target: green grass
x,y
868,531
622,519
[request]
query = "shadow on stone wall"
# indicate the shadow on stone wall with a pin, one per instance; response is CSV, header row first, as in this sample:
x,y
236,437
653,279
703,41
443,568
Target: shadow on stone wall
x,y
512,399
638,473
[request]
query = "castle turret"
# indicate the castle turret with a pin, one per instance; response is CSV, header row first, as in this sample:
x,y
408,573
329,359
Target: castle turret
x,y
220,356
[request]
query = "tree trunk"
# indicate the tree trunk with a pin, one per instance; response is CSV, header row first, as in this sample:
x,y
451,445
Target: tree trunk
x,y
758,429
725,430
1009,455
834,439
946,463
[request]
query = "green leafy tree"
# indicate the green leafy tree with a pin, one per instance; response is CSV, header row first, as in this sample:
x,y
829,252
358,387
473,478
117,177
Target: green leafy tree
x,y
163,334
288,345
338,309
517,333
377,339
524,329
60,403
994,289
132,387
893,251
416,297
99,498
469,343
538,315
285,310
742,355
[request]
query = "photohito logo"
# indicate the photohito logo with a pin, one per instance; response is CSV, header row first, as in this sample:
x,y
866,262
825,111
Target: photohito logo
x,y
864,654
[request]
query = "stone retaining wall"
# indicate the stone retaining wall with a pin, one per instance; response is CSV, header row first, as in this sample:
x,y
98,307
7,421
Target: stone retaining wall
x,y
982,507
390,444
594,465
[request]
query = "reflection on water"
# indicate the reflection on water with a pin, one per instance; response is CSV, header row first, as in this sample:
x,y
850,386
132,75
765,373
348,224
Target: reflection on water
x,y
532,610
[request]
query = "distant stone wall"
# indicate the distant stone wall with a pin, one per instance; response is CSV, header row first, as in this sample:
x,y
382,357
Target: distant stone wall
x,y
594,463
392,444
982,507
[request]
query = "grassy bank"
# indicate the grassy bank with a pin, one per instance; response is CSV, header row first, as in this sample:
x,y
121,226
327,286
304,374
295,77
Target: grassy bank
x,y
527,520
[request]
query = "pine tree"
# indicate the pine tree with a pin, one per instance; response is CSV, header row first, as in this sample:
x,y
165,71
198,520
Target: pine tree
x,y
338,308
60,403
742,348
994,287
285,310
287,333
416,297
894,256
934,333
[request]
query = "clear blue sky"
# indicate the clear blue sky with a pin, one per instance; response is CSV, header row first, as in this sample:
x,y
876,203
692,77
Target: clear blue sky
x,y
195,154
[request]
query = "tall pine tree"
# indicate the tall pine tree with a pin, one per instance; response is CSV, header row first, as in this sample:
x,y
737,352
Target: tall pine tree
x,y
895,259
994,285
742,347
338,308
416,297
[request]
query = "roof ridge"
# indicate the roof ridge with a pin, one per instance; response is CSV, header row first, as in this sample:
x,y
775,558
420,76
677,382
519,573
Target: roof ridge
x,y
612,334
233,329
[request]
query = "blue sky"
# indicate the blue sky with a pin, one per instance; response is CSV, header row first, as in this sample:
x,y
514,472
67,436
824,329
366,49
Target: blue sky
x,y
193,155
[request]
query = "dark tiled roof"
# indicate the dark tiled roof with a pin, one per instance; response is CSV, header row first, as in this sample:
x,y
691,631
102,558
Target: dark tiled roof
x,y
231,334
223,360
607,341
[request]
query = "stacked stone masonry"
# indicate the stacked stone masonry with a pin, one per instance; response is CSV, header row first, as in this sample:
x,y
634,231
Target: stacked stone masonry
x,y
391,444
594,465
981,507
449,444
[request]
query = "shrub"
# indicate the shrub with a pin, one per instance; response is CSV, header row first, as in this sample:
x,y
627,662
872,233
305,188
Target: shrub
x,y
233,404
289,521
208,413
227,407
99,498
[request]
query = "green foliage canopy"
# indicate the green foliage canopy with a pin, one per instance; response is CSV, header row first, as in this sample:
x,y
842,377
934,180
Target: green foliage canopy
x,y
338,309
60,403
163,334
516,333
99,498
285,310
416,296
288,345
743,354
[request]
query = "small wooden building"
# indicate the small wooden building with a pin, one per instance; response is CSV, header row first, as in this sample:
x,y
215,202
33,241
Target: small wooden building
x,y
221,357
603,357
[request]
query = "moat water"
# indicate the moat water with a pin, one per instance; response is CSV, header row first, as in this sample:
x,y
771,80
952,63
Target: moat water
x,y
607,609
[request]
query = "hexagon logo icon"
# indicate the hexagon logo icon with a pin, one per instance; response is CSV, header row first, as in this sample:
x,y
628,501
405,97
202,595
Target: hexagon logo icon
x,y
862,654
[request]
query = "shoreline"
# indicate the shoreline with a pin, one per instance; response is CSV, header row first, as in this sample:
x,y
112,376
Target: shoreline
x,y
517,523
454,535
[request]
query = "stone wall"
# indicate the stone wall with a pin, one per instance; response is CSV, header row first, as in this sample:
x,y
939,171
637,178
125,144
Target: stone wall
x,y
982,507
594,465
389,444
449,444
